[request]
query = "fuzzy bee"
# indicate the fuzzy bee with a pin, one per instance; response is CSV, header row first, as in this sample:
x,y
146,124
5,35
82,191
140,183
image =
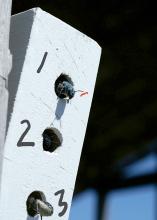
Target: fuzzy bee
x,y
64,87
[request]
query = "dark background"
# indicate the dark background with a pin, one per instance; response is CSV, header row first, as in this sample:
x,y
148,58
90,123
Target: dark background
x,y
123,117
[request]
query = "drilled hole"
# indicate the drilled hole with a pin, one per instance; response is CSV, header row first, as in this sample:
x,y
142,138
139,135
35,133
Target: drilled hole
x,y
37,204
31,202
52,139
64,87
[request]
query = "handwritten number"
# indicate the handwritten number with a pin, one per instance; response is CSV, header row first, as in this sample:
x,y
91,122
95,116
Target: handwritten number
x,y
42,62
61,203
21,143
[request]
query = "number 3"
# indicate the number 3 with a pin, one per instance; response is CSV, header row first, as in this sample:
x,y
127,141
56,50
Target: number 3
x,y
61,203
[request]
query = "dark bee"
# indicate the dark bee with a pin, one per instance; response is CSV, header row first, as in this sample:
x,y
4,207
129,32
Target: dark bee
x,y
64,87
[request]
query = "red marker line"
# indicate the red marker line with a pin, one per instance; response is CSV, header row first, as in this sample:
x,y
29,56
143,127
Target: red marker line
x,y
84,93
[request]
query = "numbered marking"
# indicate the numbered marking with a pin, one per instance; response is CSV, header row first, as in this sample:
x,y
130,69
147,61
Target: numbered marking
x,y
21,143
42,62
61,203
33,98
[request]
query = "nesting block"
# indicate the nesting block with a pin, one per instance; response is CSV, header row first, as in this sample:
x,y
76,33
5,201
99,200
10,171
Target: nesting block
x,y
43,48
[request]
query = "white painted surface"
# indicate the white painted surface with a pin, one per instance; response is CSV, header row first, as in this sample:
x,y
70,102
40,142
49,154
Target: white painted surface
x,y
5,66
26,169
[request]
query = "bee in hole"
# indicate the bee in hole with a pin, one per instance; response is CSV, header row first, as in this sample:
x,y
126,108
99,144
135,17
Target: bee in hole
x,y
64,87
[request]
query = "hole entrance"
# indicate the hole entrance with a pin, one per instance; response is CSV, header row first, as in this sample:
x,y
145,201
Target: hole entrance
x,y
64,87
31,204
37,204
52,139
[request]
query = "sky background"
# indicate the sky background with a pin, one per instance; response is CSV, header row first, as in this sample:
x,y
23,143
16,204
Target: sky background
x,y
136,203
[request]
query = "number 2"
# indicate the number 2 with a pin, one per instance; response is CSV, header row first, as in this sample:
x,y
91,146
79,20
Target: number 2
x,y
21,143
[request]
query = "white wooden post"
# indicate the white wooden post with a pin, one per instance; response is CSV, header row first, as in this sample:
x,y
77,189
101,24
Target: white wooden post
x,y
43,47
5,66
